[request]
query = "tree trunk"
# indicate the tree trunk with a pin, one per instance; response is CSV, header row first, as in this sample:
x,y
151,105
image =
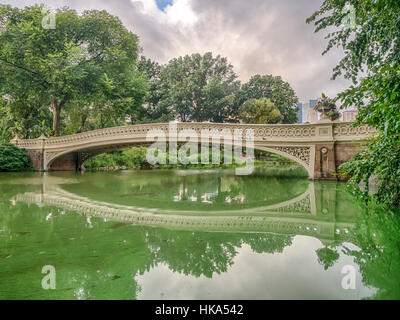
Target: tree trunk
x,y
56,109
101,121
83,123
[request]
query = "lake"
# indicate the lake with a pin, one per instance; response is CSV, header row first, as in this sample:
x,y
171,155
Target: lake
x,y
192,234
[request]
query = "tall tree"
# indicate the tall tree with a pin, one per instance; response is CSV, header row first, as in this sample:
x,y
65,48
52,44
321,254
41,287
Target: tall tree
x,y
369,33
200,87
84,54
260,111
274,88
156,104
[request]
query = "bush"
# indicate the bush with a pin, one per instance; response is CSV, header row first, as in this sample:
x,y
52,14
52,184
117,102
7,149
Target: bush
x,y
110,159
13,159
135,156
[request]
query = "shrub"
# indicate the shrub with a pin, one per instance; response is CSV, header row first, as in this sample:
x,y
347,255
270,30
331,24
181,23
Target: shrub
x,y
135,156
13,159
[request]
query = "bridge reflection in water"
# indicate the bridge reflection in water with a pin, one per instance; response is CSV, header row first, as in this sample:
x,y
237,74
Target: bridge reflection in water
x,y
313,213
248,252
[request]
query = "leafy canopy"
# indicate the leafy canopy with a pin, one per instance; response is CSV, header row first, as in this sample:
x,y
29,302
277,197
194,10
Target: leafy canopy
x,y
274,88
372,61
200,87
87,57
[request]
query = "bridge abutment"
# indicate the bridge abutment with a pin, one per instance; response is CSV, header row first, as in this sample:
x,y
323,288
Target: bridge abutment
x,y
345,151
37,159
325,162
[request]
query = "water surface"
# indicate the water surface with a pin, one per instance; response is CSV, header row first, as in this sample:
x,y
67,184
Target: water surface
x,y
192,234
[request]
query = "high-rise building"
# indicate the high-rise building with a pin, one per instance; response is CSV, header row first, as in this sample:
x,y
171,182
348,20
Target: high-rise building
x,y
312,115
300,113
313,103
308,114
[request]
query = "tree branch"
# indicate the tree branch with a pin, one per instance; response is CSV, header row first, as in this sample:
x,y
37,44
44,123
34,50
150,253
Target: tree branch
x,y
26,70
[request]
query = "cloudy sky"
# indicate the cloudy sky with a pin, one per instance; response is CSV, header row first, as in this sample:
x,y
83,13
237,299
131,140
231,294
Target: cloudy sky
x,y
257,36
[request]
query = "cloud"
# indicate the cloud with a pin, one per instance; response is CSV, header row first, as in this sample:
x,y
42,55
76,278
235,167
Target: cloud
x,y
257,36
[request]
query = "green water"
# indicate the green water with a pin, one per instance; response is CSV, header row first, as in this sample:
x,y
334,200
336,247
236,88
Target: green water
x,y
192,234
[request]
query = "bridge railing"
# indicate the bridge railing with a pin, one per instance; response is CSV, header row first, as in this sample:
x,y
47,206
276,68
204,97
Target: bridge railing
x,y
334,131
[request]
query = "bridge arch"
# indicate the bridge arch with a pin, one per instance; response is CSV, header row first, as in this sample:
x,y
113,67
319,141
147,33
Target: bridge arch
x,y
79,156
309,166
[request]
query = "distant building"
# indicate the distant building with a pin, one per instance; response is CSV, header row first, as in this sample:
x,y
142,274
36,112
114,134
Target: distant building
x,y
300,113
313,103
312,116
350,115
306,112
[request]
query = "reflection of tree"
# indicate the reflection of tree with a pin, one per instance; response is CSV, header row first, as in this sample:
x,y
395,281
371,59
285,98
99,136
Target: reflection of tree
x,y
204,253
195,253
378,236
259,188
102,259
327,257
268,243
96,259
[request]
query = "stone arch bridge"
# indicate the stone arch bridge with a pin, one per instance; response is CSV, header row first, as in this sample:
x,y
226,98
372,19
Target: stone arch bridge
x,y
320,148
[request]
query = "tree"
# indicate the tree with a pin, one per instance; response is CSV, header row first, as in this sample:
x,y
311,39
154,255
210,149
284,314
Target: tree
x,y
200,88
84,55
372,51
156,105
273,88
260,111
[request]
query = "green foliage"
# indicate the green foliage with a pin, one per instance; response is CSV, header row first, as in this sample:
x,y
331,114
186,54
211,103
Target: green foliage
x,y
327,257
381,159
372,50
293,171
373,42
24,117
204,88
109,159
275,89
135,156
5,126
13,159
260,111
155,101
200,88
130,158
87,59
377,235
